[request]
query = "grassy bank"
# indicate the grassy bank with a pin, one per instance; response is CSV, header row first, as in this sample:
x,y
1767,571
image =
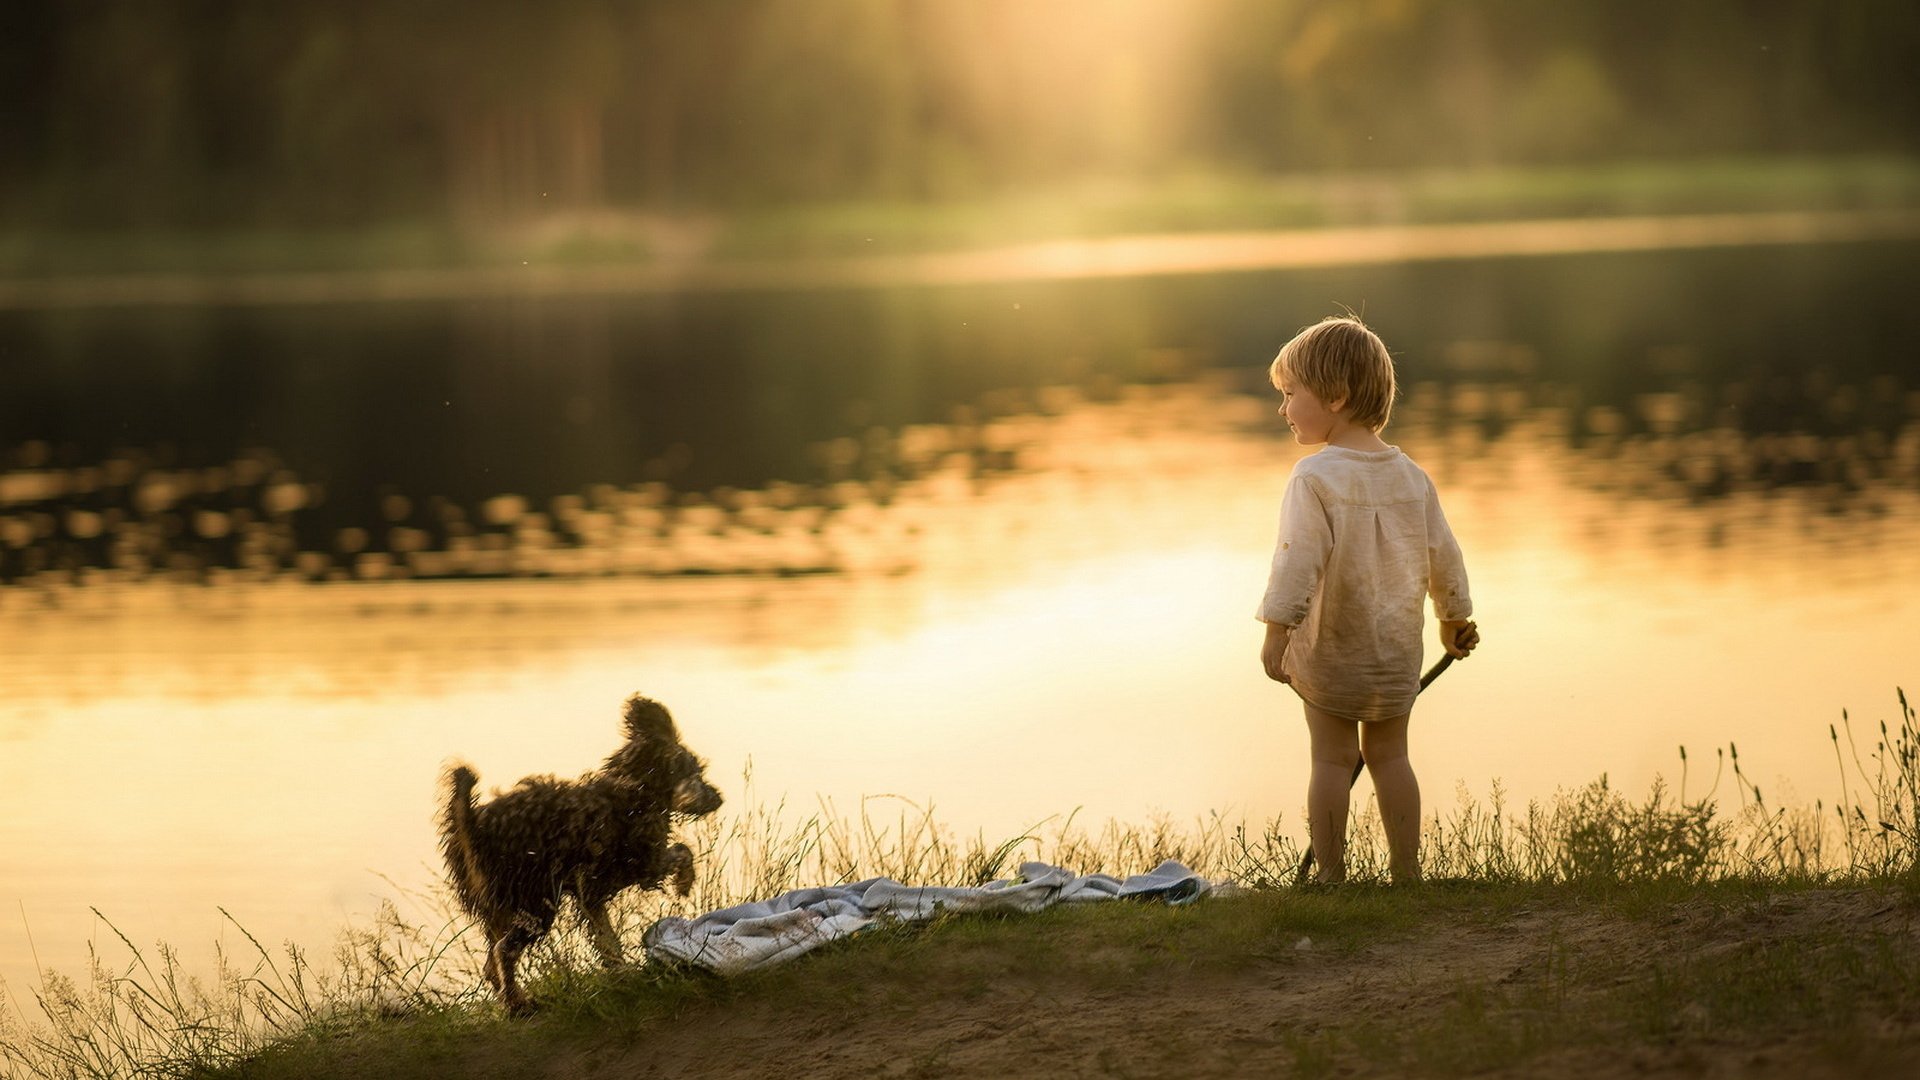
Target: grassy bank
x,y
1232,203
1452,979
1678,932
1210,202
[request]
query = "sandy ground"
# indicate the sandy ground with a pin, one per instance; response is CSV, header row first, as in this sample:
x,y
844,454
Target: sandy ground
x,y
1268,1017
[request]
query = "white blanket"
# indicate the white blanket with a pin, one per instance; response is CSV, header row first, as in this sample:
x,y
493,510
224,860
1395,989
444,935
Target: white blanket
x,y
747,937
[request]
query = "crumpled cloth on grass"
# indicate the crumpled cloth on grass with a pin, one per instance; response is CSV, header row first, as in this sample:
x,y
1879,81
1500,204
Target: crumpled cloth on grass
x,y
747,937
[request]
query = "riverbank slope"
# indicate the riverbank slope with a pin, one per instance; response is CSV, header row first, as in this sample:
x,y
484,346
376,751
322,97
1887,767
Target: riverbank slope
x,y
1445,980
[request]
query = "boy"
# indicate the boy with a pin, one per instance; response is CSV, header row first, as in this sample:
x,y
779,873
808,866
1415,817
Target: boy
x,y
1362,542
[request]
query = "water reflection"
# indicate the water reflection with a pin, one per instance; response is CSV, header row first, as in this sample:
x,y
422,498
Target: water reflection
x,y
993,550
130,579
1027,612
115,563
130,519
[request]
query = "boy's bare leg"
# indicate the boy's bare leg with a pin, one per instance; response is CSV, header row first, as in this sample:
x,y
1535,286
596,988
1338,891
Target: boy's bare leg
x,y
1336,750
1385,744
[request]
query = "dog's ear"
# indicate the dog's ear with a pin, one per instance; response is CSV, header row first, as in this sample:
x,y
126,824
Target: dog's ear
x,y
647,719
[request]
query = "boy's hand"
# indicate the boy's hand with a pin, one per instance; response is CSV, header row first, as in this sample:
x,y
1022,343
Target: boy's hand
x,y
1274,650
1459,636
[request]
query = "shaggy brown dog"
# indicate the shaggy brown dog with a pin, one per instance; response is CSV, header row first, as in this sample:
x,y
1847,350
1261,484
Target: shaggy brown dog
x,y
513,859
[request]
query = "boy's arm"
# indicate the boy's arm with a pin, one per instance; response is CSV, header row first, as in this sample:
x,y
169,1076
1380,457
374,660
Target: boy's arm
x,y
1299,555
1273,652
1446,570
1447,582
1299,560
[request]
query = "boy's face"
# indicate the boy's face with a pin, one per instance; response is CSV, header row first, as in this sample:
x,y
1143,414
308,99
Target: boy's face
x,y
1309,417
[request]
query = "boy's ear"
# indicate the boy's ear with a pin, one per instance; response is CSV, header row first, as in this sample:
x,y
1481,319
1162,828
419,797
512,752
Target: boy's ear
x,y
1336,405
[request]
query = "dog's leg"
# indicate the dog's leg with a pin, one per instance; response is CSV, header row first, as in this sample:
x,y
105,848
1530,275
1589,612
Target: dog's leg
x,y
506,954
677,865
493,960
600,929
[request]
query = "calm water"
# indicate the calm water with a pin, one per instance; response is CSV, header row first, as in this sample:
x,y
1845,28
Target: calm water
x,y
992,549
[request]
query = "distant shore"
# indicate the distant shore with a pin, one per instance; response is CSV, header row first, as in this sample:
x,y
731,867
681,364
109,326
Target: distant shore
x,y
1179,226
1119,256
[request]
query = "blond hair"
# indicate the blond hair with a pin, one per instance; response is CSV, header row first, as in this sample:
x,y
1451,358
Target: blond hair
x,y
1340,360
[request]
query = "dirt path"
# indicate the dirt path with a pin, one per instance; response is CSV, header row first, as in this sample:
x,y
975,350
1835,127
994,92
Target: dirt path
x,y
1571,991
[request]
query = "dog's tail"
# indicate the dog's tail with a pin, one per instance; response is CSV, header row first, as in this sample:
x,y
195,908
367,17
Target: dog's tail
x,y
459,842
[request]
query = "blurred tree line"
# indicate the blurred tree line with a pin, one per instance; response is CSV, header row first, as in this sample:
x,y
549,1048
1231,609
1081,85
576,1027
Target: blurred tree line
x,y
216,113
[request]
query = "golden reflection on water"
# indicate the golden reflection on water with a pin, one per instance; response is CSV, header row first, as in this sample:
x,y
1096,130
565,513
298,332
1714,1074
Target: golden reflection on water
x,y
1069,630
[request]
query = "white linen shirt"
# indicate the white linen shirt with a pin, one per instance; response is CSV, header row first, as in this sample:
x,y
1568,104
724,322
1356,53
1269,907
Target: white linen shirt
x,y
1362,542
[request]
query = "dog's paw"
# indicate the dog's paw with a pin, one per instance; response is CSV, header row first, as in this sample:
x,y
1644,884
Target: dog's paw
x,y
680,868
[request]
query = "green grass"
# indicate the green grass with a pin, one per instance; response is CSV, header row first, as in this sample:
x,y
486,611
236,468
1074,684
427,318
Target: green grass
x,y
1821,985
1179,203
1825,986
1672,920
970,958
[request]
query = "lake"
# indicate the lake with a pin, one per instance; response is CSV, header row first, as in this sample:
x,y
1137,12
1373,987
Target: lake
x,y
989,548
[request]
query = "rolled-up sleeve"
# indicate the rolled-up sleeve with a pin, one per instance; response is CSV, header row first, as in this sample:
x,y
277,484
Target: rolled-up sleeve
x,y
1299,555
1446,570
